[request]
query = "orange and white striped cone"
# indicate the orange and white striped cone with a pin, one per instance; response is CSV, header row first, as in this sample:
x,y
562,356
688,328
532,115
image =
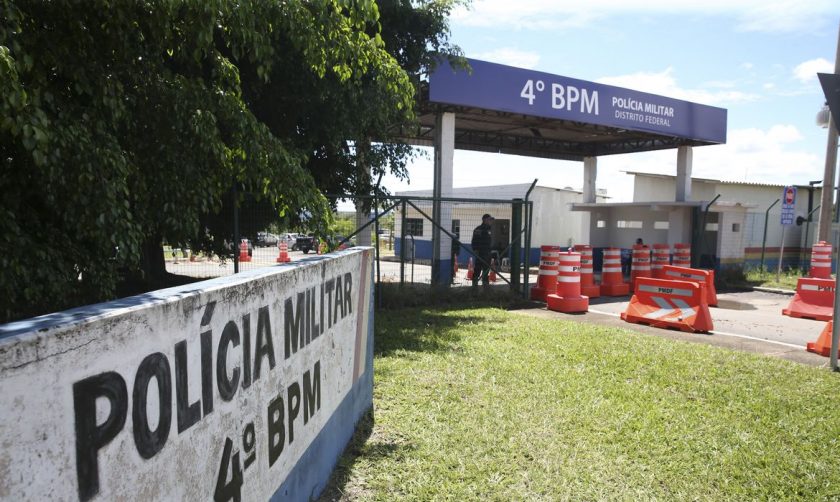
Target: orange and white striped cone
x,y
820,261
612,279
547,278
682,255
243,252
470,269
492,275
640,264
283,257
567,297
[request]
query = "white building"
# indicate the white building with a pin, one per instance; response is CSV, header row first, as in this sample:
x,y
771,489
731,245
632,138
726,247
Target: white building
x,y
553,222
757,198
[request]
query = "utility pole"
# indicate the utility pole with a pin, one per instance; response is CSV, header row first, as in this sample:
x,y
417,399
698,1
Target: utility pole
x,y
831,87
827,205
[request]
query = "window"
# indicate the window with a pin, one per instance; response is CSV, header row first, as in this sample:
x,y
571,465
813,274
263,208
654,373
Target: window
x,y
414,226
661,225
628,224
736,227
601,224
456,228
711,227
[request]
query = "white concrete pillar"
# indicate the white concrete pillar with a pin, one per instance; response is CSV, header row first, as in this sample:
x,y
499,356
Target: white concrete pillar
x,y
442,212
362,216
684,161
590,173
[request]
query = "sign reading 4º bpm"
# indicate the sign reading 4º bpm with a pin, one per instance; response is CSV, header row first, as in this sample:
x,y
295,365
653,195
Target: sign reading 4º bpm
x,y
504,88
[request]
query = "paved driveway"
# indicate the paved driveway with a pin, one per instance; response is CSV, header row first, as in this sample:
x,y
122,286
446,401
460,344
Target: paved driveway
x,y
750,321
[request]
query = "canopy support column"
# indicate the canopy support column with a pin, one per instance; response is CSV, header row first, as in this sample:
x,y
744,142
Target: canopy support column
x,y
442,212
590,174
684,162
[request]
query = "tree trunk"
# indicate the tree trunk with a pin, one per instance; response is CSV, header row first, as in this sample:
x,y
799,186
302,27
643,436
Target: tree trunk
x,y
152,263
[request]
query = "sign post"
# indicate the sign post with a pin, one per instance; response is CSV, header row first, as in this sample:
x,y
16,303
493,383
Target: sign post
x,y
788,209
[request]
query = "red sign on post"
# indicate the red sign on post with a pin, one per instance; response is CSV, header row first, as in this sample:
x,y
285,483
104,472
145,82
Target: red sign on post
x,y
788,205
790,195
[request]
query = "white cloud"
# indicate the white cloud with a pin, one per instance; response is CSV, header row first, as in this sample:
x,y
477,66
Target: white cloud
x,y
755,155
510,56
751,15
806,72
664,83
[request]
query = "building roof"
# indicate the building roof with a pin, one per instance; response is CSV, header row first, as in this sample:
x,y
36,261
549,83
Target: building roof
x,y
513,187
720,206
515,111
714,181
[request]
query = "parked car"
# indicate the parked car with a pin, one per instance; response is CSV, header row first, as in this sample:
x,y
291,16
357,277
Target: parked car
x,y
265,239
305,243
290,239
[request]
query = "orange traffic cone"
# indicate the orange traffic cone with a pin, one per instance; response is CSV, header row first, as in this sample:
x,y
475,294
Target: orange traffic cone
x,y
492,275
283,257
823,344
470,269
243,252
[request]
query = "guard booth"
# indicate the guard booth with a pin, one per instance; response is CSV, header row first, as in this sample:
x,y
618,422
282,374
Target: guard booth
x,y
715,230
496,108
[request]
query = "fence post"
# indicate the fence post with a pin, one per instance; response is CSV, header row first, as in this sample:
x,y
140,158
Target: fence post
x,y
236,236
402,243
516,230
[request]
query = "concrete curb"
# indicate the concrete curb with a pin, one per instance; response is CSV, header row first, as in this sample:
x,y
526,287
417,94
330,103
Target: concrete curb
x,y
774,290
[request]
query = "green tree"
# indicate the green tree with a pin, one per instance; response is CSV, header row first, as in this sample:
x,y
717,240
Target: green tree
x,y
126,123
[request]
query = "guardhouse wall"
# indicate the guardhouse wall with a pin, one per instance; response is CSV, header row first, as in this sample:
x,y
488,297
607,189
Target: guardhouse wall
x,y
246,387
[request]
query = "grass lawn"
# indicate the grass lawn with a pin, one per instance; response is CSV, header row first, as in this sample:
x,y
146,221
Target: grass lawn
x,y
767,278
474,404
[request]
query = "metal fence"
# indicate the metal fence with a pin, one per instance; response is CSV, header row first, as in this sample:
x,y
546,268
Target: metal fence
x,y
414,247
411,246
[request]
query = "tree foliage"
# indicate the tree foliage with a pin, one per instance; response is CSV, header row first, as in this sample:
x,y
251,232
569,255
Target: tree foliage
x,y
126,123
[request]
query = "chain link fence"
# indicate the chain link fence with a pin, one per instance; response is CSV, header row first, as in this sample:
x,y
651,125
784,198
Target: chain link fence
x,y
411,248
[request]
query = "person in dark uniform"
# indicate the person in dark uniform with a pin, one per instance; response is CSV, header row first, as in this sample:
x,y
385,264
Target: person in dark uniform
x,y
480,243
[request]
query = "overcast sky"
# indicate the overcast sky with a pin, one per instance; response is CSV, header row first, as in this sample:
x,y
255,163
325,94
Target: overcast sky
x,y
756,58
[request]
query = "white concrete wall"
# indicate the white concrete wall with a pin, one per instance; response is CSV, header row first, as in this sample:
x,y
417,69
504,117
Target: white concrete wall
x,y
647,188
169,395
730,244
613,235
553,223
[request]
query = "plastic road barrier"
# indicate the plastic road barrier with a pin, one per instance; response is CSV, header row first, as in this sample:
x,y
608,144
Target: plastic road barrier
x,y
814,299
587,277
823,344
661,258
669,304
568,298
682,255
640,266
820,261
612,280
706,277
547,279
